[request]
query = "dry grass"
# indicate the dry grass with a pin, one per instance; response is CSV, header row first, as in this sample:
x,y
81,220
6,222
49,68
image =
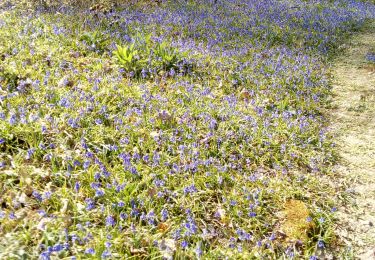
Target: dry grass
x,y
354,90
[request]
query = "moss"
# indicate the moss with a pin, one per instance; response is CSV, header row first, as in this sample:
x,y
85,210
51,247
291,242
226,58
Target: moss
x,y
295,224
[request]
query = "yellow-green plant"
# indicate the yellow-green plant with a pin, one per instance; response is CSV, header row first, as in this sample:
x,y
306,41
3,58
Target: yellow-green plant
x,y
169,56
129,58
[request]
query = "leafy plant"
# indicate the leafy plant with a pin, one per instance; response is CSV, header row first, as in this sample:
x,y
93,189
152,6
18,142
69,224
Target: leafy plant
x,y
129,59
168,55
96,41
143,55
143,43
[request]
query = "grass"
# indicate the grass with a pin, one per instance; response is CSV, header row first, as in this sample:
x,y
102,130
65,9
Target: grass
x,y
194,156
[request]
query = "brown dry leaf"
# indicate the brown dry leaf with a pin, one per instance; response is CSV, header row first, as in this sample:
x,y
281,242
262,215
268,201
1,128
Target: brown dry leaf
x,y
163,227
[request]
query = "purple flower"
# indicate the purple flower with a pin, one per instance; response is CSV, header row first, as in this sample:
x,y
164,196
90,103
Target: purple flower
x,y
370,57
156,158
110,221
172,72
45,255
190,189
252,214
86,165
184,244
90,204
37,196
164,215
242,235
106,254
133,170
58,248
272,237
12,215
47,157
30,153
77,185
198,251
99,192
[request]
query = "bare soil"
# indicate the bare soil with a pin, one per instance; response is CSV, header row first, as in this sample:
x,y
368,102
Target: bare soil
x,y
354,125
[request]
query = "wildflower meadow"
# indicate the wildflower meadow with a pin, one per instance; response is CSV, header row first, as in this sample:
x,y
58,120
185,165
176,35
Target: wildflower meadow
x,y
171,130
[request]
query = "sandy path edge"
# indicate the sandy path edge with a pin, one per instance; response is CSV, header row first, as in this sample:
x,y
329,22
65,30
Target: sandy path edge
x,y
353,121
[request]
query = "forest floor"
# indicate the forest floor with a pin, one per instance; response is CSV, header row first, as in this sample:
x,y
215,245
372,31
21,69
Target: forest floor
x,y
187,130
354,124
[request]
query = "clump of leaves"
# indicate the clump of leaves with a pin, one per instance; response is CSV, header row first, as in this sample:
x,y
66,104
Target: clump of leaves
x,y
168,55
95,41
128,58
143,57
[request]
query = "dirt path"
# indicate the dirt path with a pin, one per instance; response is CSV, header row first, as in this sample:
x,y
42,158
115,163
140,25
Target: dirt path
x,y
354,123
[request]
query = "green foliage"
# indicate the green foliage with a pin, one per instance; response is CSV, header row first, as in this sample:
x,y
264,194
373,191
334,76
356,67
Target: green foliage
x,y
9,78
145,55
95,41
128,58
168,55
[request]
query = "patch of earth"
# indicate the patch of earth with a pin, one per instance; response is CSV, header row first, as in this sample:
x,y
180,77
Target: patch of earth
x,y
354,124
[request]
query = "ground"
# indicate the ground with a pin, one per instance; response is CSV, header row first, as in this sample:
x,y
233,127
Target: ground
x,y
354,124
